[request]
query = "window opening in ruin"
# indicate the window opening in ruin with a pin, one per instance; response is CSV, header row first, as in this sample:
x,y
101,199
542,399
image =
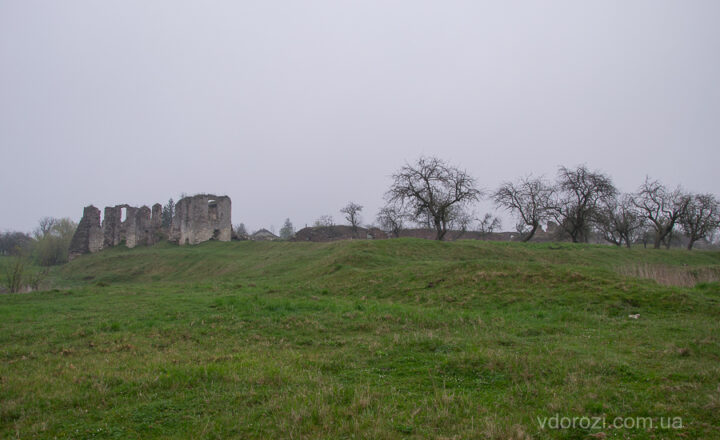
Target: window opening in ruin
x,y
212,210
123,214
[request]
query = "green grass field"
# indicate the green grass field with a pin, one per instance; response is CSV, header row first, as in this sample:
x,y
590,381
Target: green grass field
x,y
365,339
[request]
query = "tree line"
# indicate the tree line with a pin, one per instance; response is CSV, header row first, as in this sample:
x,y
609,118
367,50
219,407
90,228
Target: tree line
x,y
582,203
48,244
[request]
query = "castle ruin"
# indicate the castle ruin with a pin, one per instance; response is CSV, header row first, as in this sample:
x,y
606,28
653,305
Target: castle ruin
x,y
196,219
201,218
88,236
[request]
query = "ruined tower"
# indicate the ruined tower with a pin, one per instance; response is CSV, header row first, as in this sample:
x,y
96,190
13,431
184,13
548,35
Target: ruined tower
x,y
201,218
88,236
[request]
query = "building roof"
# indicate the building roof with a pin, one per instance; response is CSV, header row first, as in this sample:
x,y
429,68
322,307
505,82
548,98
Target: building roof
x,y
263,233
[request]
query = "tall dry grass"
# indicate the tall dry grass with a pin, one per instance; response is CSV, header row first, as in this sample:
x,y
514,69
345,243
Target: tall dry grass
x,y
681,276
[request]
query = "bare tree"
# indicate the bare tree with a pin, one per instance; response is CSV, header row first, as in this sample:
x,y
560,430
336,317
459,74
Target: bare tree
x,y
530,199
619,221
580,194
663,208
700,218
459,221
423,220
390,219
352,215
45,227
488,224
324,220
434,188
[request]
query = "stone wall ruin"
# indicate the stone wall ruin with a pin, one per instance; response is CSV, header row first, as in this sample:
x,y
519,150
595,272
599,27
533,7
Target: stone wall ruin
x,y
88,236
197,219
201,218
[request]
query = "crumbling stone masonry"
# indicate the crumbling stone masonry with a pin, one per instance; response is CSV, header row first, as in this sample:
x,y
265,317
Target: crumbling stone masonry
x,y
201,218
156,216
88,235
138,228
111,226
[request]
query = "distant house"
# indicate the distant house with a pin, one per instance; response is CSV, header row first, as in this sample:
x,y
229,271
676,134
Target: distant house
x,y
263,234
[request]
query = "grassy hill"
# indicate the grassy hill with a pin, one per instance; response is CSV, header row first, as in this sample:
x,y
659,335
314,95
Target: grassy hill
x,y
364,339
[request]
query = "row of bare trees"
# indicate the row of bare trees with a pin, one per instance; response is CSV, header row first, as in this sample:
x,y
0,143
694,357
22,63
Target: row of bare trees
x,y
583,203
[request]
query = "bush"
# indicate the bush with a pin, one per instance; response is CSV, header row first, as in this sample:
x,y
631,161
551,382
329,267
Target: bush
x,y
14,273
51,250
52,244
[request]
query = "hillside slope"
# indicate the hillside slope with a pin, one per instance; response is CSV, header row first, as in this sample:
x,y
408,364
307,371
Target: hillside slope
x,y
303,261
367,339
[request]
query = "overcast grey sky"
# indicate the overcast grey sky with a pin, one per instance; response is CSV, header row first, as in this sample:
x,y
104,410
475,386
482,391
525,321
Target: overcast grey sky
x,y
294,108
